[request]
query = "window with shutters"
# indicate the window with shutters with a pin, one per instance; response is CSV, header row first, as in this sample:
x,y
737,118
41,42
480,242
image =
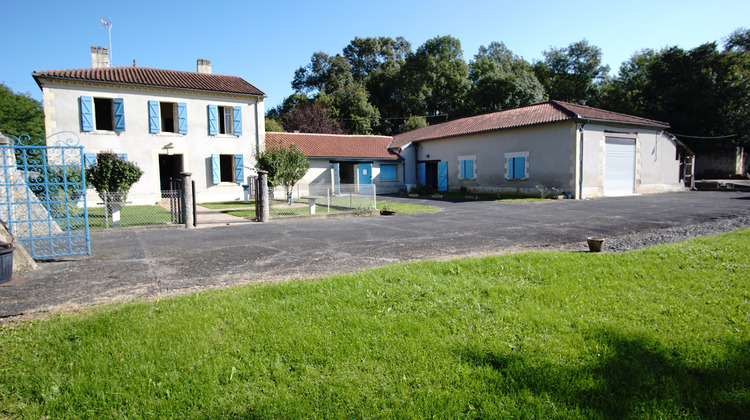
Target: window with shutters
x,y
101,114
227,168
388,172
167,117
224,120
516,165
466,167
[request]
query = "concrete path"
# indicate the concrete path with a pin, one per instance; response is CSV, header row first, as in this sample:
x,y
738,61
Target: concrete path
x,y
139,263
211,218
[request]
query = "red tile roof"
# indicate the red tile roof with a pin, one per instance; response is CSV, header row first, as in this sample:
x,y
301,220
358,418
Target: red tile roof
x,y
340,146
548,112
143,76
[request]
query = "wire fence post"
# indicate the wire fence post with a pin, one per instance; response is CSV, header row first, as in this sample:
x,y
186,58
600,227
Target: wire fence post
x,y
374,198
106,212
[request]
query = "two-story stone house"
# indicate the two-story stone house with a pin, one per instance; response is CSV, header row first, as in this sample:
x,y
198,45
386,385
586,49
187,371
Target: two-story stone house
x,y
166,121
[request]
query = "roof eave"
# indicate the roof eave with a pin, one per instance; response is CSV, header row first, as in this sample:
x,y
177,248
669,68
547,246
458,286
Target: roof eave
x,y
37,76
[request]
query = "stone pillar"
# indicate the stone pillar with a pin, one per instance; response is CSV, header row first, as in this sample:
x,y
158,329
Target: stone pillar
x,y
264,203
187,199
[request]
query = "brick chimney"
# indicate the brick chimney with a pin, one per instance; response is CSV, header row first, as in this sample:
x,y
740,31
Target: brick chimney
x,y
99,57
204,66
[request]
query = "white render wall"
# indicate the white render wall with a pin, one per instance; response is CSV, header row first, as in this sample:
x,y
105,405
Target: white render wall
x,y
550,149
657,166
553,158
321,173
62,114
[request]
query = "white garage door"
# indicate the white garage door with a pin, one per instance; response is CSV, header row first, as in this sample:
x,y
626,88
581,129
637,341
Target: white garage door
x,y
619,166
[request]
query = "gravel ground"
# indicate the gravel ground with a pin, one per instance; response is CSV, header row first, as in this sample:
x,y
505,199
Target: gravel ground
x,y
675,234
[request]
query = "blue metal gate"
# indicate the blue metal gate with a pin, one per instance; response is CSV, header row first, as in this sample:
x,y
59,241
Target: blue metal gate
x,y
43,195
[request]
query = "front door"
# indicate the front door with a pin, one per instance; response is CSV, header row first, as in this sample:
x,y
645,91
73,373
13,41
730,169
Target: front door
x,y
365,178
170,167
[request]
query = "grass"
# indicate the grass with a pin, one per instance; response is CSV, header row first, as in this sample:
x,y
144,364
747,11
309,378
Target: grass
x,y
507,198
402,208
656,333
220,205
130,216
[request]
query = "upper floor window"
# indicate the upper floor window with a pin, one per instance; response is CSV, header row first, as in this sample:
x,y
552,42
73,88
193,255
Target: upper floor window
x,y
101,114
167,117
224,120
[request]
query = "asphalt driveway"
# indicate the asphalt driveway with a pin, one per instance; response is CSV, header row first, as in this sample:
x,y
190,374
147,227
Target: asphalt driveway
x,y
128,264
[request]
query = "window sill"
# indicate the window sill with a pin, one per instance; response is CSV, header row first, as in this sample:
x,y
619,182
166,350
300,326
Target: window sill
x,y
225,136
103,132
227,184
168,134
516,179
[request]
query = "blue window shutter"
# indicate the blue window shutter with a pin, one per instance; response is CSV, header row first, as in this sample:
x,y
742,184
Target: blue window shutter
x,y
182,118
87,115
239,168
119,114
123,156
463,169
216,168
237,121
153,117
89,159
470,169
520,168
213,126
336,178
421,173
443,176
510,167
388,172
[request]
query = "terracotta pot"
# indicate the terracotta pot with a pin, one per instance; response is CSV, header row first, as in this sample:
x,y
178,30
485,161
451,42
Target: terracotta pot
x,y
595,244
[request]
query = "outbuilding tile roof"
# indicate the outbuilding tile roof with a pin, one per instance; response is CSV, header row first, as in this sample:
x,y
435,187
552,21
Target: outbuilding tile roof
x,y
144,76
548,112
340,146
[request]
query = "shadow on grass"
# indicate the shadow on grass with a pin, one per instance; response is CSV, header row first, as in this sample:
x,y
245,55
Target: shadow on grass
x,y
637,377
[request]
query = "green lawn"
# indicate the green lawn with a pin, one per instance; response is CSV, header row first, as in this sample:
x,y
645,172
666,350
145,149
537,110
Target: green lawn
x,y
402,208
219,205
130,216
657,333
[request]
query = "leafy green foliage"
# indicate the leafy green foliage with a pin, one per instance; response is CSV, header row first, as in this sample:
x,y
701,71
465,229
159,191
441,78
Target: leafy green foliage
x,y
657,333
112,176
573,74
273,124
20,114
285,166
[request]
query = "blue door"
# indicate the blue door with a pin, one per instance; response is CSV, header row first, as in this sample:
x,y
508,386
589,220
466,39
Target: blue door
x,y
442,176
421,173
365,178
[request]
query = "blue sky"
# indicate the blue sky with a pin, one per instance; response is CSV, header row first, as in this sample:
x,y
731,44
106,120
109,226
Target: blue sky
x,y
265,42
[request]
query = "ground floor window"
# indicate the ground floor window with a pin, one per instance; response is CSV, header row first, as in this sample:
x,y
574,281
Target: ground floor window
x,y
388,172
227,168
516,165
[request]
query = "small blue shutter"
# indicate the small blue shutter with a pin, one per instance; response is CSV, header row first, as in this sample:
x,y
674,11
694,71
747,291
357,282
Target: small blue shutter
x,y
421,173
182,117
239,169
123,156
237,121
443,176
153,117
388,172
216,168
87,116
463,169
119,114
89,159
212,121
470,169
519,168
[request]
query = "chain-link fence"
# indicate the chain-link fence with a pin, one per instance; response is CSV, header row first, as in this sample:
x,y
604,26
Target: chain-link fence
x,y
322,199
113,210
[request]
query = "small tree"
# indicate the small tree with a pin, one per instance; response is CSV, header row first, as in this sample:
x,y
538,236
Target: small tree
x,y
112,177
285,166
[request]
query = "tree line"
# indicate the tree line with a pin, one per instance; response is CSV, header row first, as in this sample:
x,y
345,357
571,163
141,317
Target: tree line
x,y
380,86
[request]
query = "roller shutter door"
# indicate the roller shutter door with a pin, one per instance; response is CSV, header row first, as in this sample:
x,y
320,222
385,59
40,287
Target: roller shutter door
x,y
619,166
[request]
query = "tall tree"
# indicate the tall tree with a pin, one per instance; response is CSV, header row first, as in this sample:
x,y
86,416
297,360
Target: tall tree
x,y
502,80
285,166
371,55
436,79
573,73
20,114
738,40
311,118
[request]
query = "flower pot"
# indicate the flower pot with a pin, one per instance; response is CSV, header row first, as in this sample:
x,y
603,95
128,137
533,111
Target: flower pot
x,y
6,262
595,244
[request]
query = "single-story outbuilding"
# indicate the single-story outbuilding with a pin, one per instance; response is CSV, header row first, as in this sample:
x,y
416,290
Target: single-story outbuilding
x,y
338,159
583,151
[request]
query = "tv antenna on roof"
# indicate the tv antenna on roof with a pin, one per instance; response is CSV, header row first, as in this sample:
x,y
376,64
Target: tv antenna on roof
x,y
107,23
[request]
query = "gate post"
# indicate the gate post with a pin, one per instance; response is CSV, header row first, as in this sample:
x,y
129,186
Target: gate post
x,y
187,200
263,202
